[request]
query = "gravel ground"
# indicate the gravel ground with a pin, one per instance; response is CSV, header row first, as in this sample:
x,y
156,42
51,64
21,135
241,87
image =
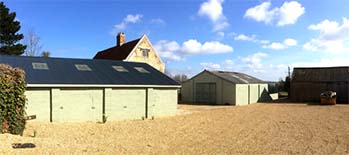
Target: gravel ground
x,y
253,129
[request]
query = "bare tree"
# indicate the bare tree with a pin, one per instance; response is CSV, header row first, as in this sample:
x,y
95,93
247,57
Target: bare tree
x,y
45,54
32,40
180,78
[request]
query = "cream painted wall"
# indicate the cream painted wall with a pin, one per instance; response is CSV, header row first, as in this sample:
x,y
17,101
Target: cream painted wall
x,y
38,104
86,104
162,102
77,105
153,58
241,94
254,93
124,103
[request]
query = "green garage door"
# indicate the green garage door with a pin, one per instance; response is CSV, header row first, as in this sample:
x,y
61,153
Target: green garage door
x,y
77,105
125,103
206,93
38,104
162,102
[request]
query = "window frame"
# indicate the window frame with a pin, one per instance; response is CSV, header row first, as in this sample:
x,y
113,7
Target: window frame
x,y
141,70
40,66
119,68
85,67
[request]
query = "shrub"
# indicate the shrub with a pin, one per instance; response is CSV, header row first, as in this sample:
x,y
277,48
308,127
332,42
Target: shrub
x,y
12,99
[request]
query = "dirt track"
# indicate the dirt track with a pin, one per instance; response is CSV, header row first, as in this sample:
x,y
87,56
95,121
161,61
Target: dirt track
x,y
253,129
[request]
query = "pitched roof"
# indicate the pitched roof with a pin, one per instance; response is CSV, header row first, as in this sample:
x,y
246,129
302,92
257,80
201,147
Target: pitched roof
x,y
64,71
117,52
236,77
321,74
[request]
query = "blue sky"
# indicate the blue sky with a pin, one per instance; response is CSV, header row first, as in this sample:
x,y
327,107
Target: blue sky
x,y
256,37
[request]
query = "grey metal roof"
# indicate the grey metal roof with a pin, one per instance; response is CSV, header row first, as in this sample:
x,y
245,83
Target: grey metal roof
x,y
236,77
64,71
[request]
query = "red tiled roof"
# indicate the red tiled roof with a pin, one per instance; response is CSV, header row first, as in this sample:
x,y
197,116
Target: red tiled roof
x,y
117,52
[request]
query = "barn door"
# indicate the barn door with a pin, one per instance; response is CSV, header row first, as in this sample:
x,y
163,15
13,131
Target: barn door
x,y
206,93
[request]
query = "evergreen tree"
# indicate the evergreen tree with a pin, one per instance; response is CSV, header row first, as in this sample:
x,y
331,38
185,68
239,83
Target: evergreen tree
x,y
8,32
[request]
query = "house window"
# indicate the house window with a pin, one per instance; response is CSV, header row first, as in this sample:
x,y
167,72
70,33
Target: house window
x,y
145,52
82,67
120,68
141,70
40,65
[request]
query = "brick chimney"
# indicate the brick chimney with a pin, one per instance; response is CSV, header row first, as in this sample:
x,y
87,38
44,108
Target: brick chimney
x,y
120,39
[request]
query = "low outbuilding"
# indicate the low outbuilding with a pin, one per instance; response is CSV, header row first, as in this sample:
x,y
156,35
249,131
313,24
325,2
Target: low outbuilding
x,y
224,88
80,90
308,83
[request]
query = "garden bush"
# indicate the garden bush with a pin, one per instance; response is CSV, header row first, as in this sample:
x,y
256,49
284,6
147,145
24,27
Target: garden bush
x,y
12,99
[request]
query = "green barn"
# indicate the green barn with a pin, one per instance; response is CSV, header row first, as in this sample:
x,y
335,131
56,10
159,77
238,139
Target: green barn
x,y
224,88
81,90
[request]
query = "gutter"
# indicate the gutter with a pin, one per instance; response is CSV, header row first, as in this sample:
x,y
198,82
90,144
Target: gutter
x,y
100,86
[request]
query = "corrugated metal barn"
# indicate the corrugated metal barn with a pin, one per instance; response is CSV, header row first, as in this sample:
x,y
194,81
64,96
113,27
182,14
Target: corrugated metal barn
x,y
308,83
79,90
221,87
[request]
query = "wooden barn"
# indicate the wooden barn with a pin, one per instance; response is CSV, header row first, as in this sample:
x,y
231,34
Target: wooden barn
x,y
308,83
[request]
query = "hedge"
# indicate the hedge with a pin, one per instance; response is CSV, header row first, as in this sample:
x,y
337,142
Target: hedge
x,y
12,100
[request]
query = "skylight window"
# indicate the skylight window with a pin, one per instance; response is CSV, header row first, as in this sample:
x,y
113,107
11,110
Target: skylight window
x,y
141,70
82,67
247,77
120,68
235,76
40,65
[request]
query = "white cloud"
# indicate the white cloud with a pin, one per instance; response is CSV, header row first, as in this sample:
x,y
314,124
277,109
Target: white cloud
x,y
264,41
172,50
280,46
158,21
333,38
212,47
166,49
214,11
290,42
254,61
325,62
133,18
290,12
287,14
261,13
210,66
245,37
251,38
275,46
228,64
220,35
220,26
127,20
